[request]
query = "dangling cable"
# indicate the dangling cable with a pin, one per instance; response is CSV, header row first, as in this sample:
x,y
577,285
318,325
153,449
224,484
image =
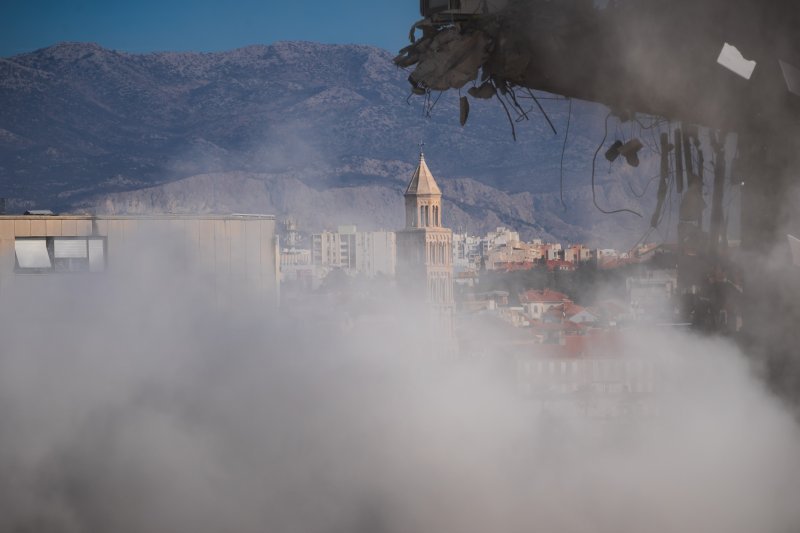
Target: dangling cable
x,y
563,150
543,112
508,114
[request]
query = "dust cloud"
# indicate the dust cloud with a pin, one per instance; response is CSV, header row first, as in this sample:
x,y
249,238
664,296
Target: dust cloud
x,y
136,402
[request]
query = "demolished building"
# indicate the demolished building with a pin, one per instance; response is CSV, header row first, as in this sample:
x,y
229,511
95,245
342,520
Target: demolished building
x,y
720,84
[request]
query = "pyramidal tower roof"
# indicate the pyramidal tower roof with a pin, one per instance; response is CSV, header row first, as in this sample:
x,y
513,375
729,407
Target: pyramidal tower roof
x,y
422,181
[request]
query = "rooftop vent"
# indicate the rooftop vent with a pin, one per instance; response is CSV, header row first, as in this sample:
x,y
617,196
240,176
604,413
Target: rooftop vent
x,y
450,10
39,212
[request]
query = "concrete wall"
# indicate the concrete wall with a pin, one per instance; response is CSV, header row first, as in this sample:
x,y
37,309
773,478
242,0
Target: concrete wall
x,y
239,250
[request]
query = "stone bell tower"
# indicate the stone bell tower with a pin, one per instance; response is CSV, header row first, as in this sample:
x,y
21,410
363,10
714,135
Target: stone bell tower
x,y
425,248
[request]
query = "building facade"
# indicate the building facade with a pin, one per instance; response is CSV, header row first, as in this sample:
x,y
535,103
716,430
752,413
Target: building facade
x,y
233,252
370,253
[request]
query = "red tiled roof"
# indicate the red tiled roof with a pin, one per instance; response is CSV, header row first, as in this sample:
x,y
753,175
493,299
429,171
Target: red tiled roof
x,y
571,309
565,325
543,296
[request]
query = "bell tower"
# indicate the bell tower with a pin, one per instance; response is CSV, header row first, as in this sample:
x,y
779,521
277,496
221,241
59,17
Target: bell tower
x,y
425,248
423,199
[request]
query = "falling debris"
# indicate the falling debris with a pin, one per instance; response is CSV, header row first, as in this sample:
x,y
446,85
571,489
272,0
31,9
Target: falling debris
x,y
484,91
732,59
630,151
794,246
445,60
792,76
613,152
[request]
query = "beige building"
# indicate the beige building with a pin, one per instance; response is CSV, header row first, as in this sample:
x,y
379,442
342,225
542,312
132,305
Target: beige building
x,y
519,252
424,247
233,251
370,253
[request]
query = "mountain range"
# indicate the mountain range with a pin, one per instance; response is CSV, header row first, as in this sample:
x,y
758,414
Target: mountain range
x,y
326,134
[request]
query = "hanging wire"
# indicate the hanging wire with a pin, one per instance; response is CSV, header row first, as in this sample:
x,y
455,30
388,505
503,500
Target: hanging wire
x,y
511,100
508,114
671,182
646,187
563,150
657,122
668,211
547,118
643,238
429,108
594,191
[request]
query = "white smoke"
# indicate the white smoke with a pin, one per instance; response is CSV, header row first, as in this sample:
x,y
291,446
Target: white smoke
x,y
135,403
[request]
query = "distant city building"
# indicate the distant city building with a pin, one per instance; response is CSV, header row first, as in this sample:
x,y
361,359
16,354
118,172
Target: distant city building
x,y
578,253
376,253
369,253
335,249
652,294
293,257
291,236
501,237
606,257
424,247
537,303
553,252
502,250
467,252
508,255
585,375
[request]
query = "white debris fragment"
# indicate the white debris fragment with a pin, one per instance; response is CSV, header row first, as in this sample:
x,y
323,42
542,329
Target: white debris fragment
x,y
733,60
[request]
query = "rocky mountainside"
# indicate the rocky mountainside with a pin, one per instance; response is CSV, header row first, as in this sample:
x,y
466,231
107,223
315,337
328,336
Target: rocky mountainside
x,y
324,133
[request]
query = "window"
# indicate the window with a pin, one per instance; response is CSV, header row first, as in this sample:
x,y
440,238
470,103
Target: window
x,y
32,254
42,255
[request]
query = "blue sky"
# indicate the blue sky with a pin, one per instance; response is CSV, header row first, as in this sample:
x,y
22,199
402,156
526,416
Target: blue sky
x,y
202,25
